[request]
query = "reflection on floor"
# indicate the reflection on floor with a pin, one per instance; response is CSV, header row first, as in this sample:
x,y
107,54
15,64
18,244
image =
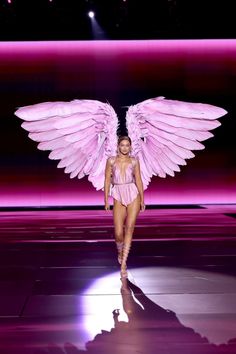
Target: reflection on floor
x,y
61,293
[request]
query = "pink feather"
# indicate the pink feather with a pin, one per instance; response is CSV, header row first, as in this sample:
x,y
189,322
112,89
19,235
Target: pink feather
x,y
78,133
164,133
82,134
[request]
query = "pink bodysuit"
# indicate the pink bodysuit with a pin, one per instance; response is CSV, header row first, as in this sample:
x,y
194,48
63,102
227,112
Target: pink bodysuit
x,y
124,189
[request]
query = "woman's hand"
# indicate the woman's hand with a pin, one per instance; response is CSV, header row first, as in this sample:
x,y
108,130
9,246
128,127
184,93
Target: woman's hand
x,y
142,206
107,206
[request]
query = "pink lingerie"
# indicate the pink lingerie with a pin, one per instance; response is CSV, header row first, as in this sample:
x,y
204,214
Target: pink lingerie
x,y
123,188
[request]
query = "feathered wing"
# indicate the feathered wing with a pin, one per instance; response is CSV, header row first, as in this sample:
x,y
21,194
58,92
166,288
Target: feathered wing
x,y
80,133
164,133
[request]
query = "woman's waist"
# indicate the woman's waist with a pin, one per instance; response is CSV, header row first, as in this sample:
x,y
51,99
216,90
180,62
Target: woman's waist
x,y
122,183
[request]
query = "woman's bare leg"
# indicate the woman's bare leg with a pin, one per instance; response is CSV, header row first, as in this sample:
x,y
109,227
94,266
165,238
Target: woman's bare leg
x,y
119,215
133,210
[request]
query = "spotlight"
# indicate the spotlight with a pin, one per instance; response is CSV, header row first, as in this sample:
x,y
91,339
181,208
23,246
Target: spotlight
x,y
91,14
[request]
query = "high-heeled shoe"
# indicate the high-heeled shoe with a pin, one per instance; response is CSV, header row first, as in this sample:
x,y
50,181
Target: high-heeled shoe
x,y
126,249
123,273
119,246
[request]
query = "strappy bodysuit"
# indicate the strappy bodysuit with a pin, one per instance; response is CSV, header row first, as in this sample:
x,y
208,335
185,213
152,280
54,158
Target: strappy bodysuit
x,y
123,188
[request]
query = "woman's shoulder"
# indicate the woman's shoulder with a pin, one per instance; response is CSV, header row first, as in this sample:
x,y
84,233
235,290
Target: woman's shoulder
x,y
134,160
111,159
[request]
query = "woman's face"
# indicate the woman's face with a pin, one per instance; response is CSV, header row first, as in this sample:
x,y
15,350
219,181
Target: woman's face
x,y
124,147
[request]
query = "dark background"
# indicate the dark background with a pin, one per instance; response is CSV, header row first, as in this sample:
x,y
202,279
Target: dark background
x,y
146,49
130,19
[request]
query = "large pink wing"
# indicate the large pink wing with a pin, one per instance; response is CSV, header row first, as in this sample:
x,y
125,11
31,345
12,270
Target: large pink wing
x,y
164,133
80,133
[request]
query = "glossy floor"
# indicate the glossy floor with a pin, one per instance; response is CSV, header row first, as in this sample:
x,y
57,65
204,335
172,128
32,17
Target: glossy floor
x,y
60,288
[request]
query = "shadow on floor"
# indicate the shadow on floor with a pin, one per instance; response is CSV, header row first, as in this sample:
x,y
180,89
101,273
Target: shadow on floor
x,y
150,329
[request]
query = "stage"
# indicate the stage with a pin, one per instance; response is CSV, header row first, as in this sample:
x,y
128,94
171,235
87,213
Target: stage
x,y
61,288
93,72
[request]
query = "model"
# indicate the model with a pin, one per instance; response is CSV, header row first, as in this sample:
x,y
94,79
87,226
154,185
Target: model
x,y
82,134
123,172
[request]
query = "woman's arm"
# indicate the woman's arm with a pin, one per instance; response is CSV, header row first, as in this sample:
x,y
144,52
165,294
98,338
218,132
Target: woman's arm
x,y
107,183
139,183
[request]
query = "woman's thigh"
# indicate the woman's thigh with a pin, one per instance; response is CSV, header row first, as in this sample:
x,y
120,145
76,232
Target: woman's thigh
x,y
119,215
133,210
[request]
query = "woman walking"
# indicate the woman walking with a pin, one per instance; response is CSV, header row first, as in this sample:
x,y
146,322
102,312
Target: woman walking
x,y
123,173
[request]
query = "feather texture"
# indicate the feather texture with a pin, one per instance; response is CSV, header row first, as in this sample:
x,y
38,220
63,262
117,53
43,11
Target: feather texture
x,y
80,133
164,133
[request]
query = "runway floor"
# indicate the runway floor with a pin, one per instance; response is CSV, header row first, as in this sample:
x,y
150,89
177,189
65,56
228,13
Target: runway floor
x,y
61,293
